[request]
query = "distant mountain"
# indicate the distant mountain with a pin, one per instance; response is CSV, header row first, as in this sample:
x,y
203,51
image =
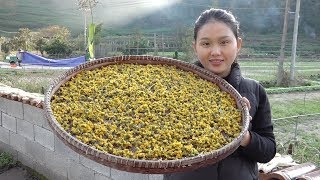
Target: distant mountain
x,y
123,16
117,14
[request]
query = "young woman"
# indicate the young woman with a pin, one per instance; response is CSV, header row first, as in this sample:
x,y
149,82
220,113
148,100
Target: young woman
x,y
217,44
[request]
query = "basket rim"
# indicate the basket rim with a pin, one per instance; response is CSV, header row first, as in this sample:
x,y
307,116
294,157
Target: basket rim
x,y
139,165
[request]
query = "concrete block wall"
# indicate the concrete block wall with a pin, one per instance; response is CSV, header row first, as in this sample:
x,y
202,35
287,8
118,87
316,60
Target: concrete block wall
x,y
26,134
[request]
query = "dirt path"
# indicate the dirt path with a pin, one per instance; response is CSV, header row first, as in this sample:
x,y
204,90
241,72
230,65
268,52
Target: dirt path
x,y
313,95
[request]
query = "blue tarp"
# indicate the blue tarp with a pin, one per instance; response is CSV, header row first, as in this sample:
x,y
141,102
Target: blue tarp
x,y
29,58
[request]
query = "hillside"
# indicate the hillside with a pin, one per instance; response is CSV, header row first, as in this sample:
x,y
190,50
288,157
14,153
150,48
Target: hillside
x,y
260,16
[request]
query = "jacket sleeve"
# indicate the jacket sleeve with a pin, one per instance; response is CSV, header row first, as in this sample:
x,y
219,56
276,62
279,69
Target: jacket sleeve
x,y
262,147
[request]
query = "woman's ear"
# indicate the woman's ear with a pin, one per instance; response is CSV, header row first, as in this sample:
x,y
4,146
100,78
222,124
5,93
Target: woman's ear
x,y
239,44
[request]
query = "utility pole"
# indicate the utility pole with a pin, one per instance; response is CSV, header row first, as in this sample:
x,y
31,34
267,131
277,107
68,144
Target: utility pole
x,y
294,43
85,28
283,44
85,6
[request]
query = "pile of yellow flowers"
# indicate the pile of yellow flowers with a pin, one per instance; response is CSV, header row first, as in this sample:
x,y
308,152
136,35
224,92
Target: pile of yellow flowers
x,y
147,112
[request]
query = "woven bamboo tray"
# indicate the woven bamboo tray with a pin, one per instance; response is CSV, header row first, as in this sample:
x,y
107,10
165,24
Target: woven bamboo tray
x,y
145,166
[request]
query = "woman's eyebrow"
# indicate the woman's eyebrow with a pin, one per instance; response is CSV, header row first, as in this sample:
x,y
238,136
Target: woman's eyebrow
x,y
224,37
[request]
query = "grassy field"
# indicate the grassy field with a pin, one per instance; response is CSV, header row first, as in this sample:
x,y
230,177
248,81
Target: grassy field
x,y
303,134
295,107
267,70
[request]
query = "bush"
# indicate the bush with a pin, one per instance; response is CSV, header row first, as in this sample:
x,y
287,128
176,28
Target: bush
x,y
58,47
6,160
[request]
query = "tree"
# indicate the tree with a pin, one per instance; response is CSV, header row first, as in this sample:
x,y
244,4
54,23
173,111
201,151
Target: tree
x,y
57,48
97,34
23,39
48,39
40,44
54,32
2,40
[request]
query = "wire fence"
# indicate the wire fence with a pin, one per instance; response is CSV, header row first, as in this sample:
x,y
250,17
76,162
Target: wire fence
x,y
299,135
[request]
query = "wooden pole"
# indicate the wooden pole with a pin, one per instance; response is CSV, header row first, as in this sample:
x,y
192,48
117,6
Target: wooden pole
x,y
294,43
85,29
283,44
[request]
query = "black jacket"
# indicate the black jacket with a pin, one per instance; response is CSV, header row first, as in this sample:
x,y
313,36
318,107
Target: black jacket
x,y
242,164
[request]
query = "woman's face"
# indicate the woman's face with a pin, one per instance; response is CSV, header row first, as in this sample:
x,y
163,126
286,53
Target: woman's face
x,y
217,47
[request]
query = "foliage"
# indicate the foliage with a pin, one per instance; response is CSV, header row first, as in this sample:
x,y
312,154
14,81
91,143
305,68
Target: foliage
x,y
58,47
97,34
6,46
6,160
55,32
40,44
22,39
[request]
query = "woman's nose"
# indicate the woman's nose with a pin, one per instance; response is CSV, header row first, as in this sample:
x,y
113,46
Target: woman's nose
x,y
215,50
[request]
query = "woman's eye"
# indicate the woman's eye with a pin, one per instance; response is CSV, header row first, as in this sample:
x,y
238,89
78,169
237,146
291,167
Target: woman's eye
x,y
205,44
224,42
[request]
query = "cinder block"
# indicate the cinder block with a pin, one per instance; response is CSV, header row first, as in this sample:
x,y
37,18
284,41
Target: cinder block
x,y
25,128
3,104
26,160
36,151
18,142
9,122
64,150
4,135
77,171
155,177
9,149
44,137
15,109
56,163
102,169
98,176
44,171
36,116
122,175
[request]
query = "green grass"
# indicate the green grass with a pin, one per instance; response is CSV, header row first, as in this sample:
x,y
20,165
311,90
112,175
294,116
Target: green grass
x,y
295,107
309,148
35,81
305,140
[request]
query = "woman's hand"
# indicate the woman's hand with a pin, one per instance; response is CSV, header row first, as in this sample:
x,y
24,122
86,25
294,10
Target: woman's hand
x,y
247,137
